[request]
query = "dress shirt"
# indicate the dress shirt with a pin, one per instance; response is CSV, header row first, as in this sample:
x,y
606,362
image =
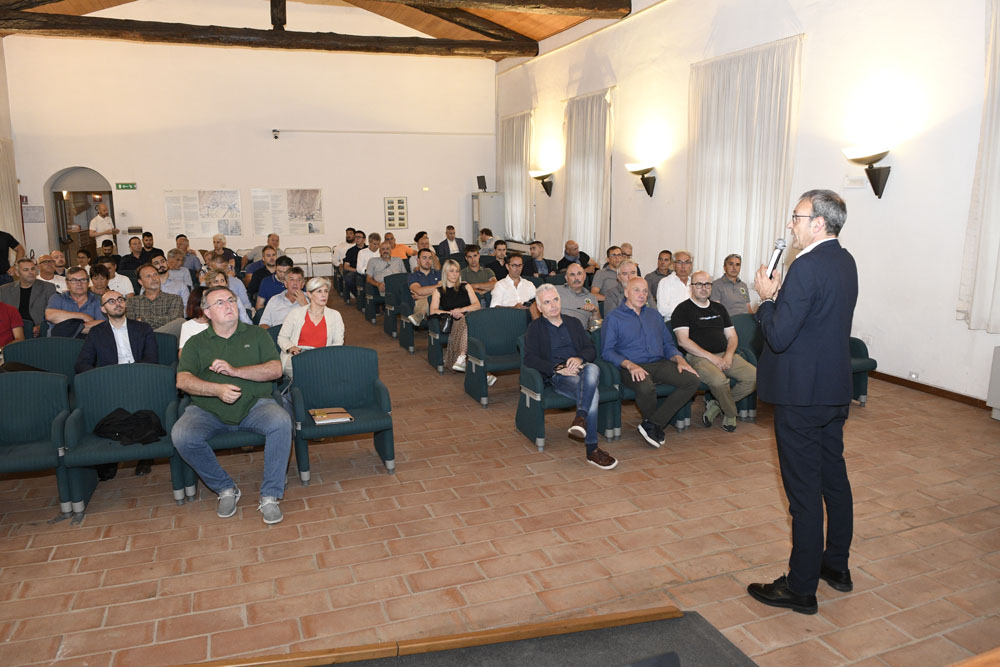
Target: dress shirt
x,y
178,282
277,310
671,292
122,343
641,338
192,261
505,293
155,312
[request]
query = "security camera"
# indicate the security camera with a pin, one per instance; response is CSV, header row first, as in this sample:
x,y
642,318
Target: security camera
x,y
276,133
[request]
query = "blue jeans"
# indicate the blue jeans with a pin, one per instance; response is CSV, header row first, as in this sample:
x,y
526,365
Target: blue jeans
x,y
196,426
582,388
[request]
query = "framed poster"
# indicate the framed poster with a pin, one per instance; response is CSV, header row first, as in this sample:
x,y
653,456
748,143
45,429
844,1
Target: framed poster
x,y
395,212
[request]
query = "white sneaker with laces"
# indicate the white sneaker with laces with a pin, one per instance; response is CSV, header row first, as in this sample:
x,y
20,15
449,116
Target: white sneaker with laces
x,y
270,509
459,364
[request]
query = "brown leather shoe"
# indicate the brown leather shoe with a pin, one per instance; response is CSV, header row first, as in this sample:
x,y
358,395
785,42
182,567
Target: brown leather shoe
x,y
578,431
602,459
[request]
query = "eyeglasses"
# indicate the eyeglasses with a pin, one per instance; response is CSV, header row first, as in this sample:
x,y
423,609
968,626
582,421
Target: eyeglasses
x,y
802,216
703,285
77,280
119,299
511,265
223,302
682,261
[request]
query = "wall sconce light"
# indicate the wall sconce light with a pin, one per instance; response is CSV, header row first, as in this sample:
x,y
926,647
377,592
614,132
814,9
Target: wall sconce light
x,y
642,171
97,198
543,177
877,176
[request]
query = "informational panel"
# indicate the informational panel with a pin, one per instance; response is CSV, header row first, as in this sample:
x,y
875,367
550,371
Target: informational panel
x,y
293,211
33,215
203,213
396,213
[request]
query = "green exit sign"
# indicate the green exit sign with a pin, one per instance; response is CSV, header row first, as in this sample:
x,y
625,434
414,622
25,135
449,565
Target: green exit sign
x,y
125,186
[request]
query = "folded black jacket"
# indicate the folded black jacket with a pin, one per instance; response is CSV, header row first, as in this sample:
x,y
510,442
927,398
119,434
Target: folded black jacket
x,y
127,428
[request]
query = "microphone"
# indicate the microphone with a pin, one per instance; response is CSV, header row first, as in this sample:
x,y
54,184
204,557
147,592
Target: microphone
x,y
779,247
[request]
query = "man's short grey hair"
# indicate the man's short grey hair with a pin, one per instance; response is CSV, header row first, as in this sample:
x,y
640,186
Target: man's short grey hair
x,y
25,260
545,287
208,292
828,205
175,252
627,262
684,252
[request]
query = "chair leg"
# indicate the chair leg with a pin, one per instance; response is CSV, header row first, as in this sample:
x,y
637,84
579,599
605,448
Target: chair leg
x,y
540,443
386,449
302,459
863,400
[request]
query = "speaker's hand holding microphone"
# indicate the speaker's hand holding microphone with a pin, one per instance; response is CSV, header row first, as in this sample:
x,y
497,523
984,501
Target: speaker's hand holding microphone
x,y
765,282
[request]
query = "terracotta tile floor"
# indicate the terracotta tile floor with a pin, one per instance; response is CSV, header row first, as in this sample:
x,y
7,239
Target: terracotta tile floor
x,y
477,529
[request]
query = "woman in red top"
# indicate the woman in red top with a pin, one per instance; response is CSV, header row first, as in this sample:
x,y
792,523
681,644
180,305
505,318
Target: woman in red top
x,y
312,326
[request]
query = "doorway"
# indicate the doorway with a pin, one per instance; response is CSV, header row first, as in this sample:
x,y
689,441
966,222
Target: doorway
x,y
75,195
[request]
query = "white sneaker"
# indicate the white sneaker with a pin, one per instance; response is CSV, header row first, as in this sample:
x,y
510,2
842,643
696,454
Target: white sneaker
x,y
413,320
459,364
490,379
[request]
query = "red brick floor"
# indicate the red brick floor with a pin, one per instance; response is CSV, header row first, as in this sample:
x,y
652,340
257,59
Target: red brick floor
x,y
478,529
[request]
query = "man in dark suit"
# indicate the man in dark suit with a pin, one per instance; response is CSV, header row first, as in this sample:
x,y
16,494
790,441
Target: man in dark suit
x,y
805,372
28,294
118,340
451,244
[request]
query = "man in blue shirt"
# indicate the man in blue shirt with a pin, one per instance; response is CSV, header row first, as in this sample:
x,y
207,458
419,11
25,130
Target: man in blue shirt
x,y
275,283
74,312
636,339
422,284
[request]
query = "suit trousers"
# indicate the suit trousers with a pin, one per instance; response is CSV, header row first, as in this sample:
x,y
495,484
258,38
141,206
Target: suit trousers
x,y
661,372
811,456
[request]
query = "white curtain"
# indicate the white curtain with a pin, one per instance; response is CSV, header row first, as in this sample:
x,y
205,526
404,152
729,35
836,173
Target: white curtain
x,y
742,116
513,160
10,202
588,172
979,287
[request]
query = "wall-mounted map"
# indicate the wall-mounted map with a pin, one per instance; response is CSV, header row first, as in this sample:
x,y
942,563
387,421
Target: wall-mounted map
x,y
203,213
293,212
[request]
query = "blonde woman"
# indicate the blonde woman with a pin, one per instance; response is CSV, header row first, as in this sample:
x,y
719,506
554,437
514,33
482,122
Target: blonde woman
x,y
311,326
453,300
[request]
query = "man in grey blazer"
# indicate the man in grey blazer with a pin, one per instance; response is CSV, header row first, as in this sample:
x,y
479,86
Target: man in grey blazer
x,y
28,294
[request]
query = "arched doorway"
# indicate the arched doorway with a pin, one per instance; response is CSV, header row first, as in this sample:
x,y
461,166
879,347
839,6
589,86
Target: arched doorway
x,y
74,194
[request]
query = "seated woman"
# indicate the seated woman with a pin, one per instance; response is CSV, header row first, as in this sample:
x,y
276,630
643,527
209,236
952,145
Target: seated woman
x,y
196,320
99,277
215,278
453,300
312,326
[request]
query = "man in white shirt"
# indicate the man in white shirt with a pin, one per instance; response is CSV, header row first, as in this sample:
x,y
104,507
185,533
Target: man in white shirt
x,y
102,227
366,254
116,282
340,249
47,272
513,291
675,288
280,305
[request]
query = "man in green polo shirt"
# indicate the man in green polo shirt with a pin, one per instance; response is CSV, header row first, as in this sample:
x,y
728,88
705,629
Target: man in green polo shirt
x,y
227,370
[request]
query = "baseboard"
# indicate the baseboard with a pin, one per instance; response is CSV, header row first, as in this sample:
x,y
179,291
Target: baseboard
x,y
446,642
927,389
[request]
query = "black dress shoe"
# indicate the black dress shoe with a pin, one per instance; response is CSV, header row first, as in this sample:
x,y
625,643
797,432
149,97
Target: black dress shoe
x,y
777,594
838,580
143,467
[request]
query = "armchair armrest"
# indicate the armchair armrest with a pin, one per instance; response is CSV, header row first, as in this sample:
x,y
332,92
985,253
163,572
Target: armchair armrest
x,y
74,428
747,354
298,407
382,394
531,380
182,406
476,351
58,432
608,376
171,417
858,348
616,374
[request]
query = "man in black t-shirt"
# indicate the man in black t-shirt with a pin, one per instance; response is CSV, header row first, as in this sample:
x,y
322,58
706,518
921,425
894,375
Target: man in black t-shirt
x,y
573,255
269,256
29,295
8,243
705,332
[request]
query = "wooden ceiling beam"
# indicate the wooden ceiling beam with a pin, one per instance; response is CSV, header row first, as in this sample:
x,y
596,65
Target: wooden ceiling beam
x,y
593,9
470,21
59,25
18,5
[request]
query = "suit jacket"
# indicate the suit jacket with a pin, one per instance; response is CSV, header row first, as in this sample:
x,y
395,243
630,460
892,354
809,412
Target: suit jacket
x,y
529,266
806,360
442,248
41,291
99,348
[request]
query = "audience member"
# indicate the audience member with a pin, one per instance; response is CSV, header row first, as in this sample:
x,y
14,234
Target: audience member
x,y
365,255
481,278
627,270
423,241
47,273
148,250
11,325
228,371
423,283
99,277
486,241
135,257
173,280
268,265
59,257
278,308
116,281
107,249
573,255
257,254
160,310
219,248
271,282
397,249
218,262
574,299
635,338
73,313
513,291
607,277
706,333
450,302
196,321
676,287
102,227
538,266
192,260
497,263
352,278
735,295
28,294
383,265
451,245
8,243
627,254
83,260
341,248
562,352
664,262
311,326
214,278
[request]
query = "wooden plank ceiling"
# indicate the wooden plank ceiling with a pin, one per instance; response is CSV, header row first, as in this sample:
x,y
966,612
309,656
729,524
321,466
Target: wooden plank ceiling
x,y
486,28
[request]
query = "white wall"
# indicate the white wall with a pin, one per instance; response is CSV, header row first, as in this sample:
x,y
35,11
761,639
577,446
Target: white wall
x,y
909,71
183,117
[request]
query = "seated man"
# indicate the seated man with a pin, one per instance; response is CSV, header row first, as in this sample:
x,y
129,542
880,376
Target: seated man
x,y
11,325
116,281
218,262
280,305
75,312
268,265
352,278
47,273
228,369
27,294
192,260
538,265
423,282
486,242
341,248
219,248
573,255
451,245
627,254
135,257
273,283
257,254
481,278
383,265
161,311
561,350
513,291
118,340
149,251
636,339
399,250
497,262
173,278
575,300
735,295
608,276
675,288
423,241
706,333
664,262
615,295
108,250
59,257
366,255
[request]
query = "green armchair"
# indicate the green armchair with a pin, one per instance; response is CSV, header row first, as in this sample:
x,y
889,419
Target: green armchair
x,y
52,355
493,334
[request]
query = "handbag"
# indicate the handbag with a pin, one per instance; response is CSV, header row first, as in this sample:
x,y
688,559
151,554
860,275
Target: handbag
x,y
444,322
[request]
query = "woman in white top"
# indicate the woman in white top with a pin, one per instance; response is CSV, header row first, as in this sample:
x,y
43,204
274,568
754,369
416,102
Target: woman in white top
x,y
196,322
312,326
